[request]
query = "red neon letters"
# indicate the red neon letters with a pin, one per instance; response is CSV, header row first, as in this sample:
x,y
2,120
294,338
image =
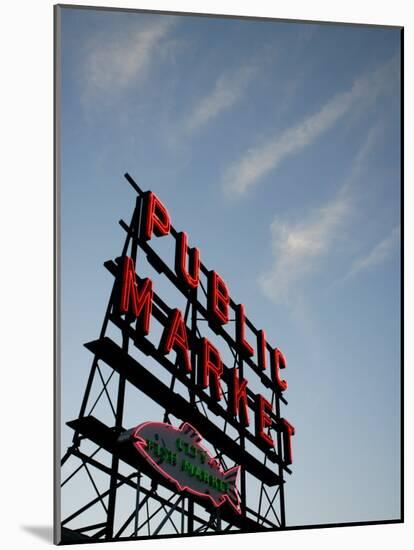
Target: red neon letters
x,y
244,346
287,431
210,368
218,299
261,349
278,361
157,219
134,301
263,420
238,397
175,337
190,276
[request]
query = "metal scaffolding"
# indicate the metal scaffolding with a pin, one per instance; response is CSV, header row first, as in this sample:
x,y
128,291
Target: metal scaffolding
x,y
126,500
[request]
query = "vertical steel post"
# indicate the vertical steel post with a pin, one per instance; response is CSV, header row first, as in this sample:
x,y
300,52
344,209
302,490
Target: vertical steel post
x,y
242,445
109,530
279,448
193,358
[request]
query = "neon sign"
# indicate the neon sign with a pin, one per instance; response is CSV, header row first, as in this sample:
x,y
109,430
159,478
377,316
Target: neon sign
x,y
206,366
177,454
136,298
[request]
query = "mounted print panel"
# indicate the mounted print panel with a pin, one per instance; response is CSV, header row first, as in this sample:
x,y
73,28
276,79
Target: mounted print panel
x,y
228,311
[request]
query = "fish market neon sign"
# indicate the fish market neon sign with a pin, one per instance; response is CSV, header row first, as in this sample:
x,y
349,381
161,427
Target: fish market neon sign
x,y
178,455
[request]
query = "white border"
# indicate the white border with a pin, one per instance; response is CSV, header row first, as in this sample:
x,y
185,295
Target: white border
x,y
26,216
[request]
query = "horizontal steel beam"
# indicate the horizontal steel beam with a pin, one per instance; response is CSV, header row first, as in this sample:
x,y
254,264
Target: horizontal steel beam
x,y
141,378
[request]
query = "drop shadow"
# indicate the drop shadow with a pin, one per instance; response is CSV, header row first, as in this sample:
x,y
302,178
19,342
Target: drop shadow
x,y
43,532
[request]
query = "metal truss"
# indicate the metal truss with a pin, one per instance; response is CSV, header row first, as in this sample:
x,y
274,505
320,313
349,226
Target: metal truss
x,y
123,501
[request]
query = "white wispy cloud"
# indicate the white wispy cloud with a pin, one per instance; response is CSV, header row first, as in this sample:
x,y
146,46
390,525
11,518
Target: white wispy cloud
x,y
299,247
377,255
111,65
228,90
256,163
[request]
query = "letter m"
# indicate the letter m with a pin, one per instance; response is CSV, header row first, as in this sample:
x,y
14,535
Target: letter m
x,y
135,301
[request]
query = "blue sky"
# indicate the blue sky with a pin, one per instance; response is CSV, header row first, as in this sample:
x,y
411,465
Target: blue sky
x,y
276,147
